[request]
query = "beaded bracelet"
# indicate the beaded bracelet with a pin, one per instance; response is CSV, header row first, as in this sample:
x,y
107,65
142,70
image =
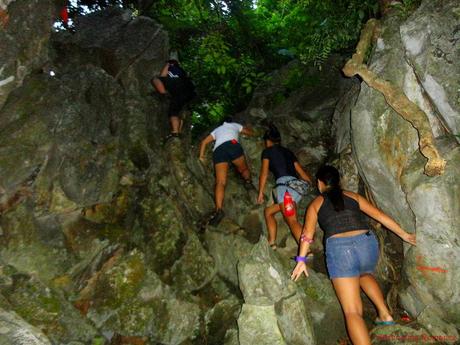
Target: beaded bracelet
x,y
304,238
301,259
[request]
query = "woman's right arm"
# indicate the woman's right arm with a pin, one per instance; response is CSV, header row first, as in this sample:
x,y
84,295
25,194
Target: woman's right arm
x,y
247,131
308,231
384,219
203,145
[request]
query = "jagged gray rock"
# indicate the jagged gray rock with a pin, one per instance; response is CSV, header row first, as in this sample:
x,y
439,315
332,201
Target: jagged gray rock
x,y
24,41
272,302
45,308
430,38
15,331
415,53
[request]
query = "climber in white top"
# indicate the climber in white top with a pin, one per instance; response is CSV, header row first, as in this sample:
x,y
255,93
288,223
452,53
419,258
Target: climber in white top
x,y
226,150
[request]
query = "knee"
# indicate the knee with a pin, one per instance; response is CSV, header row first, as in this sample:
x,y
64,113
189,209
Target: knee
x,y
267,212
290,220
221,183
243,170
353,313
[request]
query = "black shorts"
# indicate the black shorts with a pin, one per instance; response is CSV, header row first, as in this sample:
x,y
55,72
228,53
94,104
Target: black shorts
x,y
227,152
181,93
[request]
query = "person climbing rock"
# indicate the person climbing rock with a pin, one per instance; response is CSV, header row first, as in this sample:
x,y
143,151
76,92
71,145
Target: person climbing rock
x,y
351,249
173,80
226,150
285,167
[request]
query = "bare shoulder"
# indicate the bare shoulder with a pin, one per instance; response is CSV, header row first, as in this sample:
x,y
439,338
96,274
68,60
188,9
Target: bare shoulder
x,y
352,195
316,203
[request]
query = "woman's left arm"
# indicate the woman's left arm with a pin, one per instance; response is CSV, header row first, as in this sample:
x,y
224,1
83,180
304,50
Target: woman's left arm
x,y
384,219
302,173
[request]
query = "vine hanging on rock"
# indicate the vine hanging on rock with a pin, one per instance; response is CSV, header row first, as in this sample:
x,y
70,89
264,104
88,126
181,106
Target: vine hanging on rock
x,y
396,99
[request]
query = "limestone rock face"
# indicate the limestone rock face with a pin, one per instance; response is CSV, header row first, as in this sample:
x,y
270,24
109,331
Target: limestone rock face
x,y
44,307
24,38
419,55
101,222
301,101
15,331
272,302
430,39
131,300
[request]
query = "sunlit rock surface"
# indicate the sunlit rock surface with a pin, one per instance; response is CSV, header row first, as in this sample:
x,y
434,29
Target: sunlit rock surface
x,y
419,54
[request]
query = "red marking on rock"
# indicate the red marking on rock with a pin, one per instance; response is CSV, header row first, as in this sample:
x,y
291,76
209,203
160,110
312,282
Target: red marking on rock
x,y
432,269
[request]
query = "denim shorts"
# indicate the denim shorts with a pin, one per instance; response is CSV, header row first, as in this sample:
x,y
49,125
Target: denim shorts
x,y
280,190
351,256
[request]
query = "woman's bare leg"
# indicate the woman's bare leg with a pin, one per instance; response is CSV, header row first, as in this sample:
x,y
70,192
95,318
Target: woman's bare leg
x,y
348,293
159,86
372,289
175,124
221,180
270,220
242,167
294,225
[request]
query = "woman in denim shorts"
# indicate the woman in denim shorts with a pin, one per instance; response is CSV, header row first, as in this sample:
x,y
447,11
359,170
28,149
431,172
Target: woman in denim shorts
x,y
351,249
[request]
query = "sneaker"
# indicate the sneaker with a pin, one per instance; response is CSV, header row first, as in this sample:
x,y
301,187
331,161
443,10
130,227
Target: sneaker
x,y
216,218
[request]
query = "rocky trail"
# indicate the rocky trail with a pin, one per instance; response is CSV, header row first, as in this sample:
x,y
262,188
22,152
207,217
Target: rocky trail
x,y
101,236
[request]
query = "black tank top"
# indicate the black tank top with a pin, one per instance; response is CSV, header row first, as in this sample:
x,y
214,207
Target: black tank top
x,y
336,222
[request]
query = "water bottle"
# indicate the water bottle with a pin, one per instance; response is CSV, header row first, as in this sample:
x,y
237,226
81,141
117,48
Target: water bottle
x,y
289,208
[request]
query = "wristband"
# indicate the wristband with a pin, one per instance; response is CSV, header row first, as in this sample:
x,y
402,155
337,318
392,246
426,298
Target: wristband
x,y
301,259
304,238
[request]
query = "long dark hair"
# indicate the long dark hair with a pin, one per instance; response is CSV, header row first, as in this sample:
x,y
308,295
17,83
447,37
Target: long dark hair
x,y
272,134
331,178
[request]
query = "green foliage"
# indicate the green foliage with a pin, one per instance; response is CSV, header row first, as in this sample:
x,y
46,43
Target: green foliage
x,y
406,7
310,29
230,46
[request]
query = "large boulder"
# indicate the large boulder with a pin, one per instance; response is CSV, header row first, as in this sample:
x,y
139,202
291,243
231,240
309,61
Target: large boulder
x,y
43,307
227,249
417,54
130,300
15,331
272,302
429,37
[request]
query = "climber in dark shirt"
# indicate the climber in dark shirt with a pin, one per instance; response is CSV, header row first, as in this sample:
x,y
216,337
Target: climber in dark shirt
x,y
174,80
285,167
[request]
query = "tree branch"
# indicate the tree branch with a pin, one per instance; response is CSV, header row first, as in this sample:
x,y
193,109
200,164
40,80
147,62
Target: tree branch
x,y
397,100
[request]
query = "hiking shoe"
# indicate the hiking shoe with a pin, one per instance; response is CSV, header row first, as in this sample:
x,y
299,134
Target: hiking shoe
x,y
216,218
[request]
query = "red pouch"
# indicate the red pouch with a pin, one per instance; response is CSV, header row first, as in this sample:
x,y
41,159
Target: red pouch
x,y
234,141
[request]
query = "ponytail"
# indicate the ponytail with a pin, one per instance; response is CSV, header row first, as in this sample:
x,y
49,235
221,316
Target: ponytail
x,y
272,134
331,178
